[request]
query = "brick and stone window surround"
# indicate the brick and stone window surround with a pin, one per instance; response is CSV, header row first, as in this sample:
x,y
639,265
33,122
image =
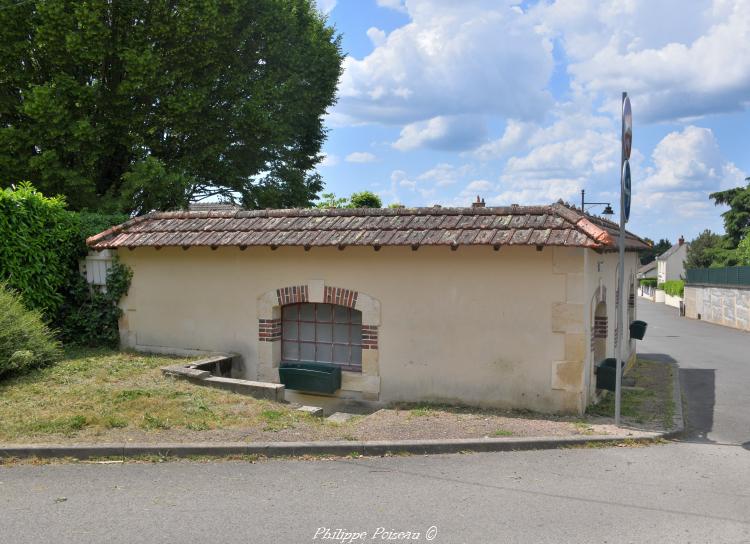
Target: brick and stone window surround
x,y
369,337
342,297
364,380
292,295
269,330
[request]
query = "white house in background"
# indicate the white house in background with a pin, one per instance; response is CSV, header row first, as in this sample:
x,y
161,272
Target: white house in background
x,y
647,271
671,264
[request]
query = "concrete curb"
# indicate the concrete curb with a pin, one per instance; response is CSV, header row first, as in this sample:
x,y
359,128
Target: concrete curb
x,y
678,418
293,449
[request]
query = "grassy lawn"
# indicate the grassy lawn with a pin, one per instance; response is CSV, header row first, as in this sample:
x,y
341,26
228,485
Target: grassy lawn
x,y
110,396
649,401
96,391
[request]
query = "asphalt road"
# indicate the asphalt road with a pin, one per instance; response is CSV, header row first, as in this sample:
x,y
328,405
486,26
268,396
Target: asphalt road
x,y
695,490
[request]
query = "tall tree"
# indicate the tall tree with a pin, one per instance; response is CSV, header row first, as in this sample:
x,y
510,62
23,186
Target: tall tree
x,y
743,251
737,217
141,104
649,255
704,250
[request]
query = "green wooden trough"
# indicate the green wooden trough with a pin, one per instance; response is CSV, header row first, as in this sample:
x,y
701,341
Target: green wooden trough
x,y
606,373
310,377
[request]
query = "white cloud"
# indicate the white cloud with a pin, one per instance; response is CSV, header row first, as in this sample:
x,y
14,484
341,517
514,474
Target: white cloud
x,y
513,140
329,160
398,5
476,57
538,191
376,35
427,184
677,59
469,193
326,6
444,133
445,174
360,156
478,185
687,166
576,151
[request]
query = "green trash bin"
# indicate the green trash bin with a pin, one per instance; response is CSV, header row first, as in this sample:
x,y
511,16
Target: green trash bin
x,y
605,374
311,377
638,329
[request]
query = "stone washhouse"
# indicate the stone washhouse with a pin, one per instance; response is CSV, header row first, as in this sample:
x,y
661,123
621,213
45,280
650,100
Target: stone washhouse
x,y
507,307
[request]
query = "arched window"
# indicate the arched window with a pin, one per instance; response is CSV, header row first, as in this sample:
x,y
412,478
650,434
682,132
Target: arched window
x,y
599,340
323,333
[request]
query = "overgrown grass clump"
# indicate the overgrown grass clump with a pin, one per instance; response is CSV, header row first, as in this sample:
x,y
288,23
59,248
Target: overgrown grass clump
x,y
650,400
25,340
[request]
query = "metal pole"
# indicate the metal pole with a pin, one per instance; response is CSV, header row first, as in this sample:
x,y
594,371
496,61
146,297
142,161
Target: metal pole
x,y
583,200
620,282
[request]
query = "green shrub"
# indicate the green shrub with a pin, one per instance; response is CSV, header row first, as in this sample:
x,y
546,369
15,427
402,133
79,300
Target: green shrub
x,y
365,199
676,288
40,245
743,251
25,340
648,282
38,236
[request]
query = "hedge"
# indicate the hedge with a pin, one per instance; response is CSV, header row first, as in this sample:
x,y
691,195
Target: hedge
x,y
38,236
41,244
648,282
676,288
25,340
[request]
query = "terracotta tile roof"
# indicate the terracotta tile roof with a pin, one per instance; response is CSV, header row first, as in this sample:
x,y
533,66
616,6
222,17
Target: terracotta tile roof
x,y
554,225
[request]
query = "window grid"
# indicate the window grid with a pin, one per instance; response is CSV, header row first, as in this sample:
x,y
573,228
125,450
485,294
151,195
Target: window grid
x,y
292,313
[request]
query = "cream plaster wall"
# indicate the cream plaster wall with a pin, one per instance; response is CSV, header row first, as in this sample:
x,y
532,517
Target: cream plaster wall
x,y
501,328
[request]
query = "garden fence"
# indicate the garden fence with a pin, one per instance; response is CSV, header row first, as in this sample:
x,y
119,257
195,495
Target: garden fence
x,y
730,276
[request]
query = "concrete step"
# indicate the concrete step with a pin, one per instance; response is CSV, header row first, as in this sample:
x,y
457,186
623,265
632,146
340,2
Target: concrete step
x,y
316,411
340,417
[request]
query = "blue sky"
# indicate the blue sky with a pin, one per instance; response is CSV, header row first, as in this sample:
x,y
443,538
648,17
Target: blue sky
x,y
441,101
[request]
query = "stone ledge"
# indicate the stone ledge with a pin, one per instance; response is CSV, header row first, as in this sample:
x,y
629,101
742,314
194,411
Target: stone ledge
x,y
258,390
192,373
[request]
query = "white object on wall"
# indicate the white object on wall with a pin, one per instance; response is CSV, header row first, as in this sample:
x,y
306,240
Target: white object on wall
x,y
95,267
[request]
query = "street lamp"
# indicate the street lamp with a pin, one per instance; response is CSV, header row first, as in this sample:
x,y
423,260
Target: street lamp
x,y
608,207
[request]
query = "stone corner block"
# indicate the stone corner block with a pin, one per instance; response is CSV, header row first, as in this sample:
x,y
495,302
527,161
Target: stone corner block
x,y
567,317
567,376
575,347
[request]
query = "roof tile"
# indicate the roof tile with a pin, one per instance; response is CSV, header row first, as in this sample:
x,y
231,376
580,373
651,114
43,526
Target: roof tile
x,y
557,224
